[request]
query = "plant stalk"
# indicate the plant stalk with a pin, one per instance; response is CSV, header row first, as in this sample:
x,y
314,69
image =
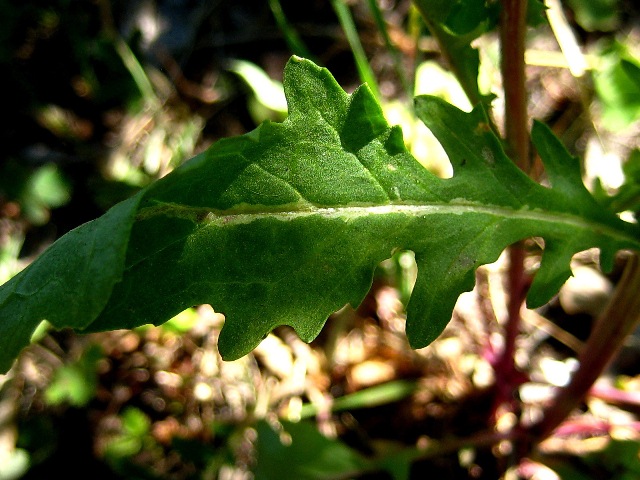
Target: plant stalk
x,y
513,25
512,38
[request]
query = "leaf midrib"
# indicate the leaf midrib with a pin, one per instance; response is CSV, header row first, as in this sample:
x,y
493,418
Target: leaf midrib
x,y
226,218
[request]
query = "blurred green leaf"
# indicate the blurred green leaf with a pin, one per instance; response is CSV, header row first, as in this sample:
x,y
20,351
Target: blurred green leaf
x,y
268,94
618,88
122,447
536,13
76,383
46,189
617,461
300,451
632,70
36,190
367,398
134,430
471,17
135,423
596,15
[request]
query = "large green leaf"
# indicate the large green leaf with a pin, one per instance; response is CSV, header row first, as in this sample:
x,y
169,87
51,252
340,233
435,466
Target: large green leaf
x,y
286,224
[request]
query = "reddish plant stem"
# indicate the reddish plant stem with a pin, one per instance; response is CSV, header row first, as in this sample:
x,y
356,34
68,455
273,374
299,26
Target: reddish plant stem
x,y
512,37
619,319
623,313
516,120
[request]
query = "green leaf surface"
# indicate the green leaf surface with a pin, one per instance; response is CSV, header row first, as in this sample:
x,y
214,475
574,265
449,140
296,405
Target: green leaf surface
x,y
286,225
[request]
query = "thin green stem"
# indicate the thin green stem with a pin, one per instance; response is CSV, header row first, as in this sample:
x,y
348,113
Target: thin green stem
x,y
129,60
136,70
362,63
292,38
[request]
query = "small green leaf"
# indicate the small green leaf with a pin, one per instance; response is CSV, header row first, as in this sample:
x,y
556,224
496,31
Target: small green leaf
x,y
301,451
135,423
77,382
46,189
286,224
618,89
131,439
367,398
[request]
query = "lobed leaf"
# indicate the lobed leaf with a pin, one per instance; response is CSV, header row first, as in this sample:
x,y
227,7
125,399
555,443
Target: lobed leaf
x,y
286,225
